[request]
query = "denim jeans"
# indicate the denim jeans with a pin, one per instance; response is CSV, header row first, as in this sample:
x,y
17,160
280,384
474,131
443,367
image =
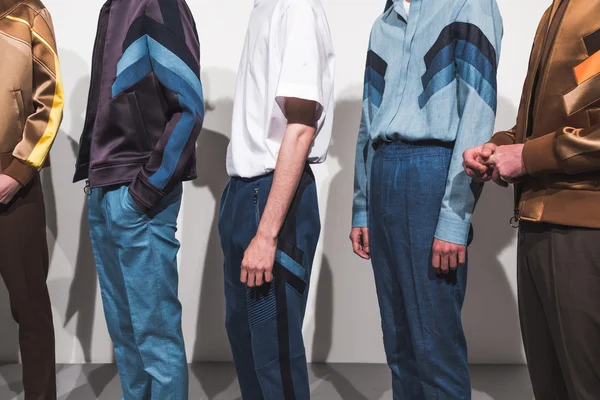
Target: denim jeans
x,y
136,258
264,324
420,311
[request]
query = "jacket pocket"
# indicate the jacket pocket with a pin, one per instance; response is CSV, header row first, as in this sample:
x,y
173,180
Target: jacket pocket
x,y
594,115
138,120
20,108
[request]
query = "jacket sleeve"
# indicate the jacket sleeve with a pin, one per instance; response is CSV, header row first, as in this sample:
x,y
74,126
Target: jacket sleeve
x,y
48,99
362,165
504,138
478,35
569,150
174,57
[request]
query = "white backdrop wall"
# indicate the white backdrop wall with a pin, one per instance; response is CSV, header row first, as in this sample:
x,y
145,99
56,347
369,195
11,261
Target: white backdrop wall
x,y
342,322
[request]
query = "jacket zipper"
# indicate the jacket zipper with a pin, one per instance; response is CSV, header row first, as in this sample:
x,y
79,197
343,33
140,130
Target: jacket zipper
x,y
87,189
96,64
516,219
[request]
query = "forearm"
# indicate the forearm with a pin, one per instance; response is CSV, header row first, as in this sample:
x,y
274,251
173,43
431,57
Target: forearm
x,y
288,171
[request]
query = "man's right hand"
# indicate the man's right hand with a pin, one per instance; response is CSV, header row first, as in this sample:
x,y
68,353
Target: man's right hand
x,y
9,187
475,159
360,242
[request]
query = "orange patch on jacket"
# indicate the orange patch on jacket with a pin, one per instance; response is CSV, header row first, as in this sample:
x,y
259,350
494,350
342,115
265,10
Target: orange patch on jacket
x,y
588,68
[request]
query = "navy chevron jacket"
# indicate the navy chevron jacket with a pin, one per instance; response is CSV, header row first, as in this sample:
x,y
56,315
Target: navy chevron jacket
x,y
145,106
431,75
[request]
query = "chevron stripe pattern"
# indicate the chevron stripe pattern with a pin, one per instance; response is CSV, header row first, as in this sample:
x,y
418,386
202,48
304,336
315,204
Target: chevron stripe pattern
x,y
375,78
153,47
462,50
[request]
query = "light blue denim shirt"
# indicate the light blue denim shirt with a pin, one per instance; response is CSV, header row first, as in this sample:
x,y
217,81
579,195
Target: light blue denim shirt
x,y
431,75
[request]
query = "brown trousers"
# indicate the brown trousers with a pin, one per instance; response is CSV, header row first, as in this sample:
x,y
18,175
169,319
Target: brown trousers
x,y
559,305
24,269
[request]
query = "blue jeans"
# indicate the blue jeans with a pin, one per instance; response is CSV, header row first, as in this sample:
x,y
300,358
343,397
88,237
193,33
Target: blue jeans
x,y
420,311
136,258
264,324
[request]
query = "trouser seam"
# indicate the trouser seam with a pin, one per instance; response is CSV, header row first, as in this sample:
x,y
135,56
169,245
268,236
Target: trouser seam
x,y
149,225
120,264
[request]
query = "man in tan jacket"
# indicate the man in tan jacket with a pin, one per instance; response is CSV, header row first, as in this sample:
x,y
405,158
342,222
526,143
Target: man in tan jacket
x,y
552,156
31,104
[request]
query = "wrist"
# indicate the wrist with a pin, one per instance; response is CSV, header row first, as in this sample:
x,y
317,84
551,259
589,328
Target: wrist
x,y
267,233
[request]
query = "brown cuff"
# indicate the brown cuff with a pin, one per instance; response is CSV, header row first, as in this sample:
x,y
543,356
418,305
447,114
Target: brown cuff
x,y
502,139
20,171
540,157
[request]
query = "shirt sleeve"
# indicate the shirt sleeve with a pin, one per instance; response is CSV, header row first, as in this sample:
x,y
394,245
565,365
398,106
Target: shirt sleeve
x,y
42,125
479,34
303,58
362,165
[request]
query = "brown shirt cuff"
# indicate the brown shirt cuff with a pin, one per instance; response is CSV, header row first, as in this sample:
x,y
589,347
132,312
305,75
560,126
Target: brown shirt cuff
x,y
20,172
502,139
540,157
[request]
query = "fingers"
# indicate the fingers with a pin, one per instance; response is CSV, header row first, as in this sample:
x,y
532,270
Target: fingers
x,y
269,275
357,243
498,179
259,277
472,161
365,241
445,262
462,256
436,260
251,278
488,150
447,256
453,261
244,273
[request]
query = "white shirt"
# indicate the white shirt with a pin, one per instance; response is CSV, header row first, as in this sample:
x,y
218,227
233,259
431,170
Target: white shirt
x,y
288,53
407,6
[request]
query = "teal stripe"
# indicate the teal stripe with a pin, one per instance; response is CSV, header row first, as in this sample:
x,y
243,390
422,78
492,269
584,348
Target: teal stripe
x,y
136,51
288,263
169,60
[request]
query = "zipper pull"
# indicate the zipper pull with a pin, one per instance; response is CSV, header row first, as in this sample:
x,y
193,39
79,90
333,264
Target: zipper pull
x,y
87,189
255,195
516,219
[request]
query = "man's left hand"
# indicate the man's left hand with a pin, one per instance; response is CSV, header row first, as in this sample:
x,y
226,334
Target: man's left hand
x,y
508,162
259,257
9,187
448,256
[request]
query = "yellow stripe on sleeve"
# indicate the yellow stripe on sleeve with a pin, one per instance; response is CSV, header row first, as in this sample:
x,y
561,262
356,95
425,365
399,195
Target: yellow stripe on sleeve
x,y
42,147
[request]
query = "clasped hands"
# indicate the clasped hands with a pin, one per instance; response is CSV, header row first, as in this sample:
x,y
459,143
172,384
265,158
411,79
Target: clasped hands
x,y
501,164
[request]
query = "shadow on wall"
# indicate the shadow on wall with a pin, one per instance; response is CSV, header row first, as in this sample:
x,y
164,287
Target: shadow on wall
x,y
211,343
75,298
490,314
338,251
82,289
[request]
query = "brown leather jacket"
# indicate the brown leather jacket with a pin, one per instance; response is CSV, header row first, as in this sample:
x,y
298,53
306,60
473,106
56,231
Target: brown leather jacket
x,y
31,93
559,119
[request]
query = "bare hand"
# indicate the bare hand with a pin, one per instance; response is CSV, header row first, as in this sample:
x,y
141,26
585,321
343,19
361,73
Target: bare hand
x,y
360,242
475,162
508,161
259,257
448,256
9,187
